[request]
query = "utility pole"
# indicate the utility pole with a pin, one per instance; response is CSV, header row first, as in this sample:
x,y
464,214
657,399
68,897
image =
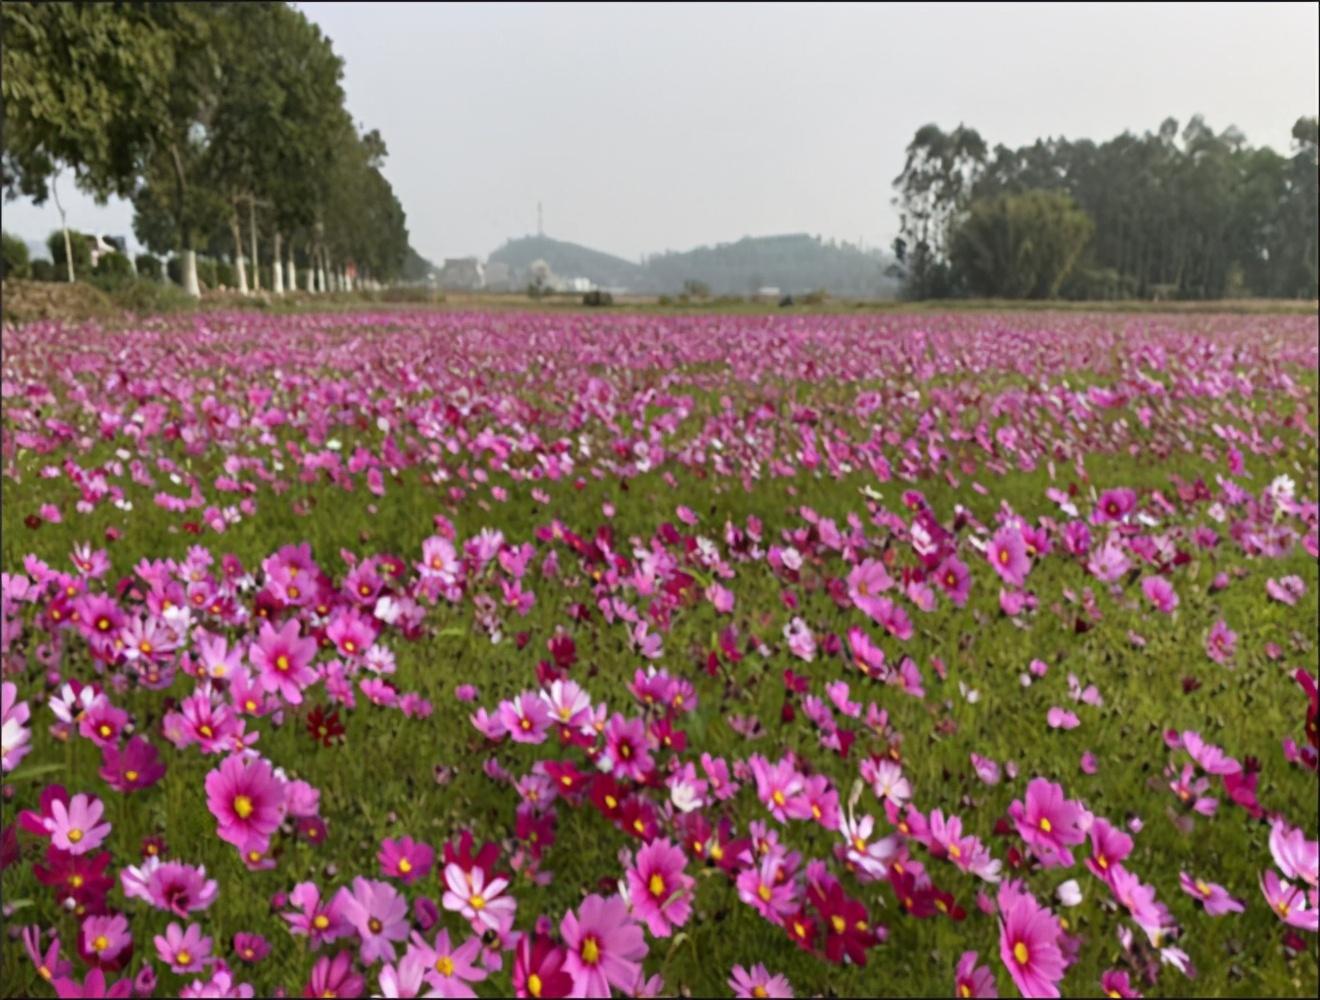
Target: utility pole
x,y
540,229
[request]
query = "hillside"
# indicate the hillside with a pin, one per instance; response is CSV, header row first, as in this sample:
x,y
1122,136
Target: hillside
x,y
570,260
793,263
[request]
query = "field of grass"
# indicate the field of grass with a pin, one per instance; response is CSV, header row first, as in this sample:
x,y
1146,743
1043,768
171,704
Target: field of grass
x,y
635,455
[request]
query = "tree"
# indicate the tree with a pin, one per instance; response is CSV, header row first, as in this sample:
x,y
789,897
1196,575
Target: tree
x,y
78,85
1020,246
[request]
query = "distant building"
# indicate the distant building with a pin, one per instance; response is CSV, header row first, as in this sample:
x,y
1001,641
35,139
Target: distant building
x,y
768,292
499,276
462,274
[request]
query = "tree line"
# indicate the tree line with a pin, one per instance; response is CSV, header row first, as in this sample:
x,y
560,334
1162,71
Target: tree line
x,y
223,123
1175,213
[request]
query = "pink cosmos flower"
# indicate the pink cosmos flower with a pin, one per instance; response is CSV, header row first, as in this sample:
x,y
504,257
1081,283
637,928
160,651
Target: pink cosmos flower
x,y
172,886
379,914
1115,983
335,977
105,940
779,787
866,582
49,964
283,660
604,946
526,718
757,982
135,767
764,889
1049,822
94,987
955,580
1160,593
659,889
1061,718
247,801
626,747
405,859
15,736
972,980
1289,902
449,970
1007,553
478,899
183,951
1221,642
76,828
1296,856
1211,895
321,922
986,769
1029,944
1115,505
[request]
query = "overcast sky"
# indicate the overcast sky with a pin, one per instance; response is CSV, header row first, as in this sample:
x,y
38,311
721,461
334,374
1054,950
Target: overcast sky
x,y
651,128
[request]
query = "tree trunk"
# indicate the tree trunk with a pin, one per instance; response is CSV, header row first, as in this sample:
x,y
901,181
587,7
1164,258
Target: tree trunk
x,y
240,269
276,276
68,243
320,270
292,270
190,284
252,225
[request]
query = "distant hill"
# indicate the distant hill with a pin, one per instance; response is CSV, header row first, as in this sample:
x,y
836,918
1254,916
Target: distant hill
x,y
795,263
569,260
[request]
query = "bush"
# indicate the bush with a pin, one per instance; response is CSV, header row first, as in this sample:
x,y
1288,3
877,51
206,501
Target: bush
x,y
225,274
206,273
82,254
696,289
112,271
596,297
146,296
815,298
13,257
43,270
148,267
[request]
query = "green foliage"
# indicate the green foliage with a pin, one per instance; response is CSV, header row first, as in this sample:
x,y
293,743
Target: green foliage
x,y
1189,214
596,298
147,296
43,270
696,289
148,267
112,271
82,254
207,273
13,257
1020,246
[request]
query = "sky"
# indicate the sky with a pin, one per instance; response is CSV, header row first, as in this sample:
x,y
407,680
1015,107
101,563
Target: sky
x,y
645,128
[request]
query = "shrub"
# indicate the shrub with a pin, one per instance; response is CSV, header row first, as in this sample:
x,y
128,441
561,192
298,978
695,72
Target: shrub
x,y
113,270
148,267
82,254
149,297
596,297
696,289
206,273
13,257
225,274
814,298
43,270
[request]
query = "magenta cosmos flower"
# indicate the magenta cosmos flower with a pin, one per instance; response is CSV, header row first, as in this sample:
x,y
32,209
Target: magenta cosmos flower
x,y
76,828
1160,593
1212,896
1007,553
183,950
604,946
136,766
972,980
405,859
1029,944
659,890
1221,642
1049,822
247,801
283,660
379,914
757,982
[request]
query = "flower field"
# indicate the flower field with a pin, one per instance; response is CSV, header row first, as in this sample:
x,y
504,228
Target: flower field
x,y
453,654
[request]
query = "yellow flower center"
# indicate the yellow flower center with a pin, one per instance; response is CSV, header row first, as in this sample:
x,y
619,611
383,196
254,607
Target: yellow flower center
x,y
444,965
405,865
350,646
75,835
242,806
105,729
839,924
534,985
759,991
964,990
281,662
778,796
320,921
1202,888
477,902
183,957
144,646
100,943
590,951
955,851
764,892
656,885
611,802
1103,862
1045,824
1020,953
374,925
76,881
131,775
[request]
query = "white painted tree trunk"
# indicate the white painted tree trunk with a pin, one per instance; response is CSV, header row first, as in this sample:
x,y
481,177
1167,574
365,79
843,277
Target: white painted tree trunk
x,y
68,244
292,271
348,282
252,226
276,270
190,284
320,275
240,270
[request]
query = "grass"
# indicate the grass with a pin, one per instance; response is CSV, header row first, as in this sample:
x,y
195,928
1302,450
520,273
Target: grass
x,y
381,783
